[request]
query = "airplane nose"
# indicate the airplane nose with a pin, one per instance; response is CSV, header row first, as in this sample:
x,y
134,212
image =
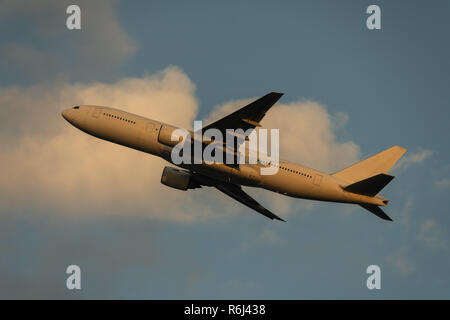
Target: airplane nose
x,y
71,114
64,114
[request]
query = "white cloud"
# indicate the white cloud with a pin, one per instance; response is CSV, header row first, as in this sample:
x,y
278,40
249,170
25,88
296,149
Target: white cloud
x,y
442,184
405,213
50,166
416,158
431,234
307,133
340,120
400,261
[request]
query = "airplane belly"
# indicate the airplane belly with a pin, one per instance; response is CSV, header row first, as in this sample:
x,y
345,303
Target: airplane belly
x,y
279,183
242,175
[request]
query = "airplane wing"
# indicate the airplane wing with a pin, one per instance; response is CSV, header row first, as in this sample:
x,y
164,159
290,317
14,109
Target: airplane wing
x,y
247,117
236,192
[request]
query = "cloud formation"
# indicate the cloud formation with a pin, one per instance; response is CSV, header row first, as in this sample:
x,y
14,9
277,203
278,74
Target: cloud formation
x,y
400,261
307,133
53,51
442,184
51,166
431,234
411,159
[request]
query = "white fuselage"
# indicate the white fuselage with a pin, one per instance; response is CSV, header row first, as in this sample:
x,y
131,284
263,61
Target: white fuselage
x,y
153,137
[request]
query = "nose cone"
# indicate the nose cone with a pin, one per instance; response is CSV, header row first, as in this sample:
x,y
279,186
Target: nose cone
x,y
65,114
71,115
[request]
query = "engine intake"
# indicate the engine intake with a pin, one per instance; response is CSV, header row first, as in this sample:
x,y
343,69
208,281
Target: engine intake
x,y
178,179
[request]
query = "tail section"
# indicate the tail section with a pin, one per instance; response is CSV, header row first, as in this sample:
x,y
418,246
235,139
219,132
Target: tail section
x,y
369,176
375,165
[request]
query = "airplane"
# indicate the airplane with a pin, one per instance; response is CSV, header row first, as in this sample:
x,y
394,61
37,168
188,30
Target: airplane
x,y
357,184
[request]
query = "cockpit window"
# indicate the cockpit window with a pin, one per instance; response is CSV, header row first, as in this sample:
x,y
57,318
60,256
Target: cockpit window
x,y
77,107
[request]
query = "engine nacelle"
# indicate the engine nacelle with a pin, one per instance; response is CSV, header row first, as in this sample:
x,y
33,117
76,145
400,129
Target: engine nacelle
x,y
177,178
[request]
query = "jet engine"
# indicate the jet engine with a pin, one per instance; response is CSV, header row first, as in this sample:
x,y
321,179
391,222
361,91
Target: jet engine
x,y
178,179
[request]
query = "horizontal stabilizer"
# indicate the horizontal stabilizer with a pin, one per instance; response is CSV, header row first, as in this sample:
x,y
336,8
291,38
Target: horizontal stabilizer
x,y
370,186
376,210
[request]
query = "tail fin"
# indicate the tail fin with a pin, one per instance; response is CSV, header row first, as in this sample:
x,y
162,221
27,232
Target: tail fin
x,y
380,163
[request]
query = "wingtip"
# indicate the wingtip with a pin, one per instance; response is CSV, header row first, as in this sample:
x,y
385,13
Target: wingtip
x,y
400,148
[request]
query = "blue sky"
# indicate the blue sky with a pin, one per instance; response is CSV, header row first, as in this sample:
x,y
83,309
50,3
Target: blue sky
x,y
390,86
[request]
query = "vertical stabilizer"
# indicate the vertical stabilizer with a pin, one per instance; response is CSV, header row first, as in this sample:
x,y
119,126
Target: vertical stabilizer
x,y
380,163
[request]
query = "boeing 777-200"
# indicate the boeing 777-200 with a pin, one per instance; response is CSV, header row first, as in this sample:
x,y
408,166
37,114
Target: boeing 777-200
x,y
357,184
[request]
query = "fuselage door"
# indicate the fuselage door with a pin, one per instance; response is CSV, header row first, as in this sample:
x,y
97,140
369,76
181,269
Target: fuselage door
x,y
152,130
97,112
149,137
317,179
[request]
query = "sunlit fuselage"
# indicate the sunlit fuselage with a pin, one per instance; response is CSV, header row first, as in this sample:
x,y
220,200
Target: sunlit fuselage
x,y
151,136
